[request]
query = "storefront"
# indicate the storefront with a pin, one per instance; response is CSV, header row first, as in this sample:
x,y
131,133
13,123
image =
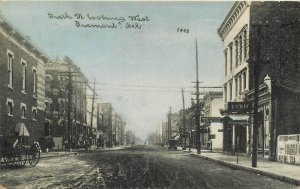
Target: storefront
x,y
236,128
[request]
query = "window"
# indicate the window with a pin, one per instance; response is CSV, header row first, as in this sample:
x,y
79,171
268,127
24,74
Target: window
x,y
240,84
225,63
245,44
241,48
225,93
212,136
34,82
230,91
23,110
23,76
236,87
236,53
230,58
245,80
61,82
10,68
10,105
34,113
48,83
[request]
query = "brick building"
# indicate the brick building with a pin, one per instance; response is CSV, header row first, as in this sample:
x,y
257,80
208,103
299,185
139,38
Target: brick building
x,y
22,82
66,106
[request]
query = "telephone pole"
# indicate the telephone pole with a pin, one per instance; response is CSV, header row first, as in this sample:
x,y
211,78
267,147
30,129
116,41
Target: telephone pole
x,y
198,140
93,107
69,108
183,119
256,92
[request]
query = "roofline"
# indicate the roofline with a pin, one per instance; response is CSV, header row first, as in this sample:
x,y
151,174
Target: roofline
x,y
29,45
230,14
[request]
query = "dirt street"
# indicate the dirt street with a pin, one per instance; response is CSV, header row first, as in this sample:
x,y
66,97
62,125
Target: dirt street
x,y
135,167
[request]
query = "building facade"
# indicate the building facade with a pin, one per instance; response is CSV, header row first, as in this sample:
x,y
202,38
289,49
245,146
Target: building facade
x,y
264,34
105,112
66,106
212,127
22,69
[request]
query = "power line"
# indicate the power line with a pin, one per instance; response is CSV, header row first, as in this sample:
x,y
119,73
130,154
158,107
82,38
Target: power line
x,y
142,90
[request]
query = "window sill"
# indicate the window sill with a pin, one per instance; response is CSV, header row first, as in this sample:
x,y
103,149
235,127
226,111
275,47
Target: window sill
x,y
23,92
34,120
34,96
23,117
10,115
11,87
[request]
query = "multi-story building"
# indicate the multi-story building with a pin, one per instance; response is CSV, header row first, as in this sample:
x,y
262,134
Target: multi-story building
x,y
105,112
22,69
66,106
117,125
234,32
264,34
91,114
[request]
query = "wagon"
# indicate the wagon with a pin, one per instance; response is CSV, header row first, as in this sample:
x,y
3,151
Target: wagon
x,y
17,156
14,153
173,143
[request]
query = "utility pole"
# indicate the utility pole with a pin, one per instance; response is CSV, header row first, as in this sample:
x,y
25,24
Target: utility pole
x,y
69,108
256,92
183,119
169,126
198,141
93,107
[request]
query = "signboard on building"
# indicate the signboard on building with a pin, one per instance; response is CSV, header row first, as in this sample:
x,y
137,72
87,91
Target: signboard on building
x,y
238,107
288,149
211,119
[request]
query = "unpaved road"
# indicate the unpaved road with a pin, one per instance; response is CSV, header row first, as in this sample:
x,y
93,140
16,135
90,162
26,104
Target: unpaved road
x,y
135,167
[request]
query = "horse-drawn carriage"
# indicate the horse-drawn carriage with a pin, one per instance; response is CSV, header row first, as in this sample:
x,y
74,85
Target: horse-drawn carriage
x,y
14,153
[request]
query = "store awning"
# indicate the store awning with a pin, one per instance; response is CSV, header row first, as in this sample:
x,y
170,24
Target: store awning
x,y
237,119
21,129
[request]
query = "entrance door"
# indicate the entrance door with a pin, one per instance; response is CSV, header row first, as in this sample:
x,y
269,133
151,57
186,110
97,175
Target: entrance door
x,y
241,139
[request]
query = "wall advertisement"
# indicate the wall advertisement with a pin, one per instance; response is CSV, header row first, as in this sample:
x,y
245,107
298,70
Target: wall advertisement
x,y
288,149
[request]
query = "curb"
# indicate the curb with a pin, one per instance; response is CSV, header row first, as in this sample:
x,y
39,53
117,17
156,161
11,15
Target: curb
x,y
253,170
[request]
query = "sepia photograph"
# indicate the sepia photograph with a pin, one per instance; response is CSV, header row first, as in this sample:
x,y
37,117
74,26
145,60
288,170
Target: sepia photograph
x,y
149,94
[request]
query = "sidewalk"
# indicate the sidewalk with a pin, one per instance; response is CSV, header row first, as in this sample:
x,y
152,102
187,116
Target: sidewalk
x,y
280,171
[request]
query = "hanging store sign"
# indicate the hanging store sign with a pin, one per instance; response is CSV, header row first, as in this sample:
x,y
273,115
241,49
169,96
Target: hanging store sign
x,y
238,107
288,149
211,119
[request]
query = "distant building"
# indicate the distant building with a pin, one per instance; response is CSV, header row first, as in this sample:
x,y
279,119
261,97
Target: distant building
x,y
91,113
279,77
66,104
105,112
22,92
212,135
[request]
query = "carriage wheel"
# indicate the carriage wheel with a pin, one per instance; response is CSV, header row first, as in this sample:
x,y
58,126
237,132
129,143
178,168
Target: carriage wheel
x,y
20,156
9,160
34,157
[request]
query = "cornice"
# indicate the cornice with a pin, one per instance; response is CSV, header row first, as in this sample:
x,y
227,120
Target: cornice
x,y
15,36
233,15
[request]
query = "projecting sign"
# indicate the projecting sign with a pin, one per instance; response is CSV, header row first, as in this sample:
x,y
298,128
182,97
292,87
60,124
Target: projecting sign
x,y
288,149
210,119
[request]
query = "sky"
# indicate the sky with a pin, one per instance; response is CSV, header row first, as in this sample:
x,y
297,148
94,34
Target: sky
x,y
135,51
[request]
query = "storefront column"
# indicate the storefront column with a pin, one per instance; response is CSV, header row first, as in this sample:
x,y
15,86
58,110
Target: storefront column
x,y
233,139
